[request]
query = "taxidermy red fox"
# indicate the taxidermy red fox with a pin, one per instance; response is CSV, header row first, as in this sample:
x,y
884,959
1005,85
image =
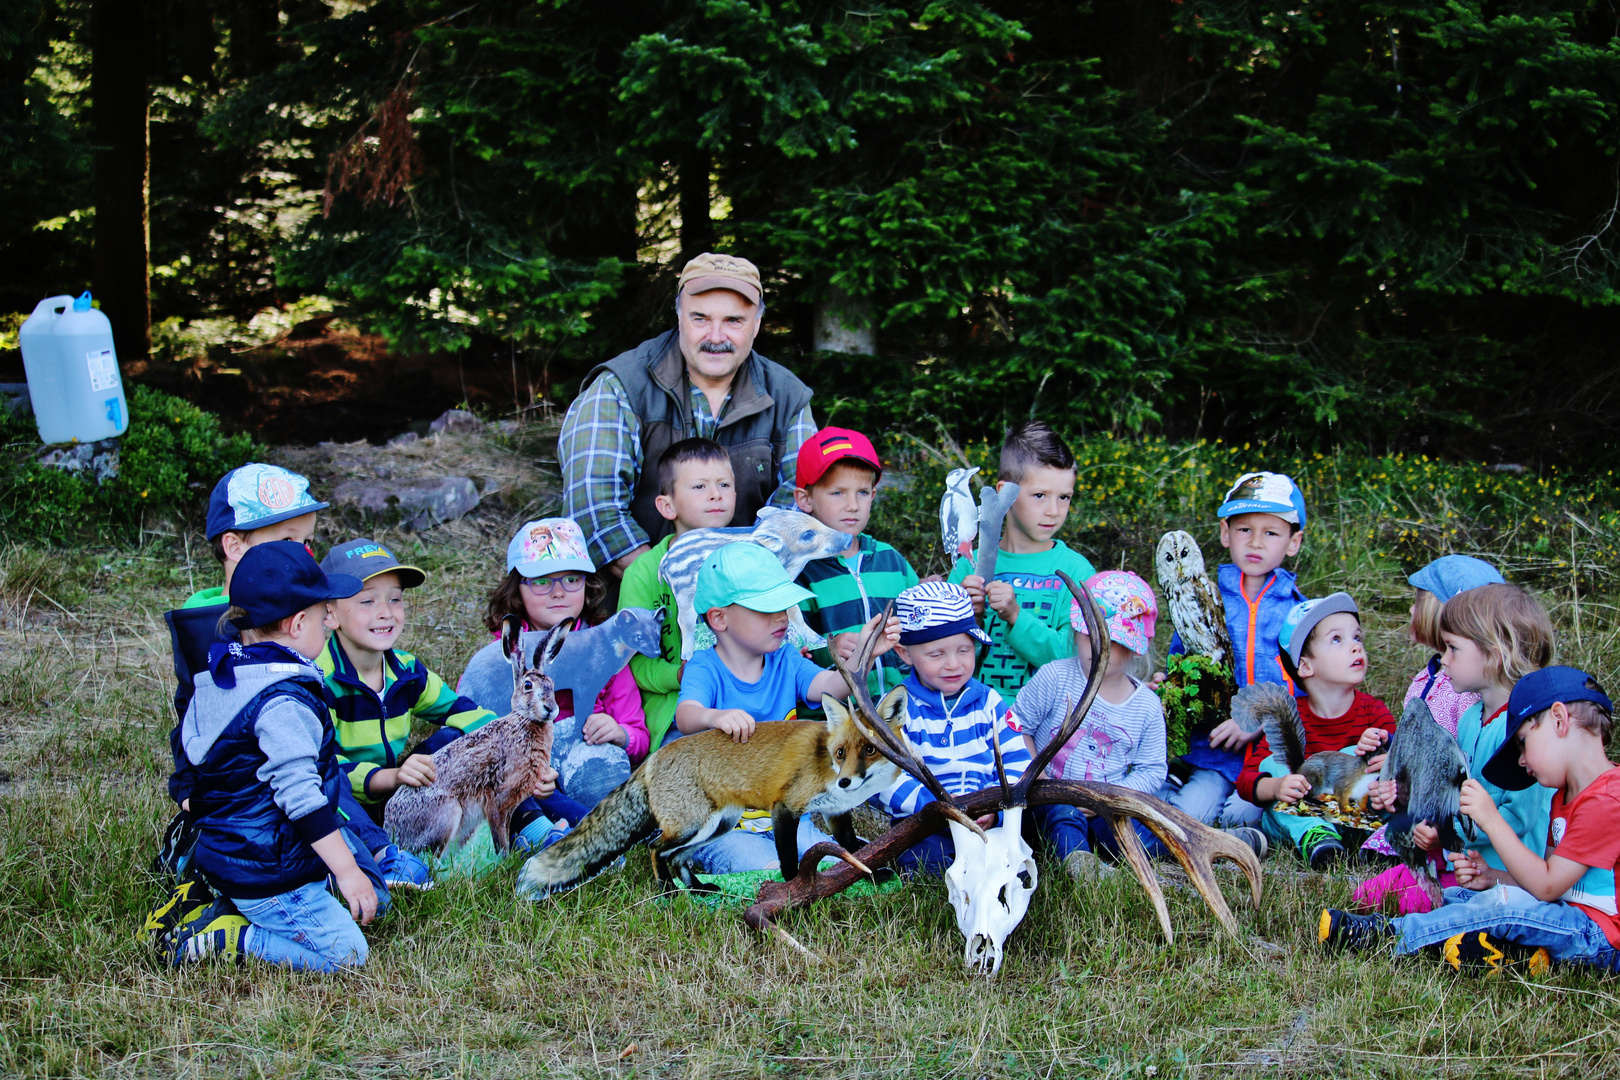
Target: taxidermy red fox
x,y
696,789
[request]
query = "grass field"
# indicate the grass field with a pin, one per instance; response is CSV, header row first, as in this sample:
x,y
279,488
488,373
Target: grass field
x,y
467,981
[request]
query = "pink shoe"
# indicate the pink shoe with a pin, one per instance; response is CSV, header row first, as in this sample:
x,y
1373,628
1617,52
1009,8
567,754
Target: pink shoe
x,y
1399,881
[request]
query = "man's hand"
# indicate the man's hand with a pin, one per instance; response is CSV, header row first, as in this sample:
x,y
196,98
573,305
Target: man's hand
x,y
1370,740
1228,736
601,728
618,566
1476,803
1426,836
546,785
734,722
1293,788
416,771
974,585
1001,598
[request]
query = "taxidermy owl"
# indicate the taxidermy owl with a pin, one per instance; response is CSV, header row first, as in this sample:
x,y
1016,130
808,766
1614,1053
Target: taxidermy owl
x,y
958,515
1191,597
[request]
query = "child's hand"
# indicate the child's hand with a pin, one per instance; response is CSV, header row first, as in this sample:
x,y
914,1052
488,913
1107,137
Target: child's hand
x,y
1426,836
1229,736
1294,787
974,584
1376,763
1000,597
846,645
416,771
601,728
1472,871
986,821
356,889
734,722
1370,740
546,785
1382,796
1476,803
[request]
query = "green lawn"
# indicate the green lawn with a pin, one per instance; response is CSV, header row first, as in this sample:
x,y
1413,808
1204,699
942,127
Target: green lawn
x,y
611,980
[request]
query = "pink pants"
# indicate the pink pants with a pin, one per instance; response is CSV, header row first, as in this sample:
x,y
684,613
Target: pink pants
x,y
1410,898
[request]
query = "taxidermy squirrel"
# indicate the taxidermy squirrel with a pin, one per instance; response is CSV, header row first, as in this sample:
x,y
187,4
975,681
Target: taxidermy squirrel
x,y
484,775
1271,708
696,788
1428,767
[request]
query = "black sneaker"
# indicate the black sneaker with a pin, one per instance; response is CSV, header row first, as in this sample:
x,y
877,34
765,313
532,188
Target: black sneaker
x,y
1254,838
1325,854
1341,930
185,902
1482,953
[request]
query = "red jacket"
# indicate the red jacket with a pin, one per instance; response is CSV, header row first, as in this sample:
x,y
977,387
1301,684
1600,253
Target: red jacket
x,y
1341,731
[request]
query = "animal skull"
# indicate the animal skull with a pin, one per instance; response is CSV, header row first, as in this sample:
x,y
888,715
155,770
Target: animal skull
x,y
990,884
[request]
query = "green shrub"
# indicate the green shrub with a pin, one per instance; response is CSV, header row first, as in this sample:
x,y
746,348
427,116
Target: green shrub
x,y
169,459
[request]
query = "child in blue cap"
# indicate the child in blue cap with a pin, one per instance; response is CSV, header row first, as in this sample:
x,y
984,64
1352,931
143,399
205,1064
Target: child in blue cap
x,y
268,781
254,504
1541,909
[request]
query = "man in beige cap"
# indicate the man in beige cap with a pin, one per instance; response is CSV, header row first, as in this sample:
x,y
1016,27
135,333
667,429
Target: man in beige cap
x,y
701,379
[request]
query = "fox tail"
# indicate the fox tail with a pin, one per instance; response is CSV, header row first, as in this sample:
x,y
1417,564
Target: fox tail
x,y
619,821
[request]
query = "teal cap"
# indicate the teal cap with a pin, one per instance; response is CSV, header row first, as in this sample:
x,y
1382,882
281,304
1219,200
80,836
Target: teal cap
x,y
746,574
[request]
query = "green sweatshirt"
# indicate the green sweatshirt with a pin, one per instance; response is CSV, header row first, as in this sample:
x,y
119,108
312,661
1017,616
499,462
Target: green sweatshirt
x,y
658,677
1042,633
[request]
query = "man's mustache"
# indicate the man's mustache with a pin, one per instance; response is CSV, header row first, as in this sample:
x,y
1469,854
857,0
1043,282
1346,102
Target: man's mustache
x,y
717,347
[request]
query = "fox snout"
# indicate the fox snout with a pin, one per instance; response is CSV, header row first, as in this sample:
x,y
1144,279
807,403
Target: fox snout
x,y
844,781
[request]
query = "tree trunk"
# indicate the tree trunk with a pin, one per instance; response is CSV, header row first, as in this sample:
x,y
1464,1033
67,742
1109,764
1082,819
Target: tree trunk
x,y
697,230
122,261
845,324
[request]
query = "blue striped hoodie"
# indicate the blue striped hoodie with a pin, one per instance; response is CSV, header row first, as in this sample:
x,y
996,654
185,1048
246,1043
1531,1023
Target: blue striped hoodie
x,y
952,737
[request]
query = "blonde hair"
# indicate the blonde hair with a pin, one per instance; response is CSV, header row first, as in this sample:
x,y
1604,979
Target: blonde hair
x,y
1508,625
1426,608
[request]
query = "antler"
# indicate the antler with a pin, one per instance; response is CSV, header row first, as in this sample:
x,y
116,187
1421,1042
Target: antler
x,y
1097,634
892,746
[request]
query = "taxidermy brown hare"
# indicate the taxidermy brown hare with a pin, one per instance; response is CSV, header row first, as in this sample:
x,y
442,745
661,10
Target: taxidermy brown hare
x,y
483,776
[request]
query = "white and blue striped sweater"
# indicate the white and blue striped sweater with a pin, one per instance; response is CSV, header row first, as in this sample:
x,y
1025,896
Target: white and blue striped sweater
x,y
953,739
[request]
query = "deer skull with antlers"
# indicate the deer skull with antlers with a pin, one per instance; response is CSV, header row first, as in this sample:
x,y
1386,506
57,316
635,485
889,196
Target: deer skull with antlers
x,y
1195,845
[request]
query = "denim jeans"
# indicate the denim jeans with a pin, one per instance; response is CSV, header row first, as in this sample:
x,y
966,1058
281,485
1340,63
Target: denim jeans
x,y
739,850
308,929
1511,913
1212,799
1064,829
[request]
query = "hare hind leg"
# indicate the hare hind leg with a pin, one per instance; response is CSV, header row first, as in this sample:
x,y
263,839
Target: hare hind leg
x,y
417,821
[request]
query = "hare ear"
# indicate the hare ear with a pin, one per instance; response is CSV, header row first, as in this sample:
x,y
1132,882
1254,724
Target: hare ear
x,y
511,634
552,644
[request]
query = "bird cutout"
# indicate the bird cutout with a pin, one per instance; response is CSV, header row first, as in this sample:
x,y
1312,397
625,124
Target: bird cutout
x,y
958,516
1197,691
993,506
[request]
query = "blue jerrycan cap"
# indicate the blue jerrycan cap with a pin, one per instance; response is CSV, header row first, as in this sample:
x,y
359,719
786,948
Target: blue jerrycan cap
x,y
82,302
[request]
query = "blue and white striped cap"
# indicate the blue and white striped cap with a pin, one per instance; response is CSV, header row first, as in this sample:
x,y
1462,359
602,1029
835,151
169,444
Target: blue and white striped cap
x,y
935,609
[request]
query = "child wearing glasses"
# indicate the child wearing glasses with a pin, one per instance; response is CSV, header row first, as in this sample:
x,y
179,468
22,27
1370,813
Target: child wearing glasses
x,y
550,577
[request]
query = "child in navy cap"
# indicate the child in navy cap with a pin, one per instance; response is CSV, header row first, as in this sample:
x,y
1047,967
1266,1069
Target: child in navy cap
x,y
268,783
1558,722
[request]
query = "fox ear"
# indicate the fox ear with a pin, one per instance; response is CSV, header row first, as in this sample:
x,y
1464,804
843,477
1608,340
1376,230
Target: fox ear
x,y
892,708
837,713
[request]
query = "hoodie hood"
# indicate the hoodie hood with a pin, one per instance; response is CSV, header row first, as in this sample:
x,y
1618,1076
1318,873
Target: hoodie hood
x,y
256,668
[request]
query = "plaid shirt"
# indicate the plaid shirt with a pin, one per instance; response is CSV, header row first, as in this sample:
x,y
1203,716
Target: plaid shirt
x,y
600,451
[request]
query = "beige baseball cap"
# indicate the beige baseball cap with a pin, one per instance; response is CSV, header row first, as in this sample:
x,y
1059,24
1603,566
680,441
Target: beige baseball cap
x,y
710,271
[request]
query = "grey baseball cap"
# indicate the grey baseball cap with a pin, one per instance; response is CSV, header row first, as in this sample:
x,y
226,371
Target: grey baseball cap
x,y
1303,617
365,559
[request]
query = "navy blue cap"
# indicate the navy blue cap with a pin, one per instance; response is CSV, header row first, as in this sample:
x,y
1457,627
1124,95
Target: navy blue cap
x,y
257,495
1532,695
1452,574
281,578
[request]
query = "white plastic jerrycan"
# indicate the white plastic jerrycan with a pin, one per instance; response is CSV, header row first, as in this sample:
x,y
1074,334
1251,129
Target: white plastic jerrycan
x,y
74,383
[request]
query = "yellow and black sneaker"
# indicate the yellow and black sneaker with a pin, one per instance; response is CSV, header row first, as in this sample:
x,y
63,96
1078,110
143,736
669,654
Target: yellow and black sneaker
x,y
1481,953
1341,930
186,902
215,932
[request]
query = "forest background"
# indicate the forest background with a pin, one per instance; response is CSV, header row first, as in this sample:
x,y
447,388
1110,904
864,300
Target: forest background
x,y
1392,226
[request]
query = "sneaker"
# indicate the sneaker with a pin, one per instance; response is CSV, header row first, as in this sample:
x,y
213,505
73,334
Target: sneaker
x,y
1482,953
1341,930
216,931
1085,866
538,833
187,901
1324,854
1254,838
402,870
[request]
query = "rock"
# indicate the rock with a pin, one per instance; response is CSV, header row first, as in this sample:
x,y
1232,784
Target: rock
x,y
419,505
404,439
455,420
14,396
96,461
502,427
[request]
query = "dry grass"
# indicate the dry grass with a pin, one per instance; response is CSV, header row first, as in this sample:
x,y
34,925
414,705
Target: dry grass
x,y
609,981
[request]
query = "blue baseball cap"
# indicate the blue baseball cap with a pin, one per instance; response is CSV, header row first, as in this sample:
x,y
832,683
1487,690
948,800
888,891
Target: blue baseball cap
x,y
932,610
257,495
280,578
1303,617
1265,493
1452,574
1532,695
